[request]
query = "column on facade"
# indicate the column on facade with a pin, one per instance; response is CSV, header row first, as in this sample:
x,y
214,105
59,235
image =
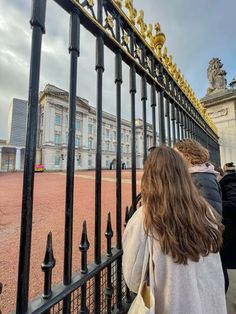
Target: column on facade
x,y
47,124
52,124
85,131
0,158
18,159
64,126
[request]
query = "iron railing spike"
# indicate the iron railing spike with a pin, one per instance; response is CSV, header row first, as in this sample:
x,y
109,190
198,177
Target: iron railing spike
x,y
83,247
126,216
109,234
47,267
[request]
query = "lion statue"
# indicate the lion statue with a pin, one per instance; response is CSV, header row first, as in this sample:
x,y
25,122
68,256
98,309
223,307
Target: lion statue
x,y
216,75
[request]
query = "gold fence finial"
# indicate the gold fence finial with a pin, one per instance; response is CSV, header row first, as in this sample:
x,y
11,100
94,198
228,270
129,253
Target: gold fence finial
x,y
132,11
164,57
142,25
159,39
149,35
119,3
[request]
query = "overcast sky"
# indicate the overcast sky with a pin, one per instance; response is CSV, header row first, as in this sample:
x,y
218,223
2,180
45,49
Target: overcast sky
x,y
195,32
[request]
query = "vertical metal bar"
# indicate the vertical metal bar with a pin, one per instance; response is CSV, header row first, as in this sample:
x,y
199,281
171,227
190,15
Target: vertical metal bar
x,y
191,127
98,178
127,291
167,114
185,125
83,247
37,22
68,242
133,142
181,124
173,123
109,289
153,105
144,100
118,81
162,136
178,122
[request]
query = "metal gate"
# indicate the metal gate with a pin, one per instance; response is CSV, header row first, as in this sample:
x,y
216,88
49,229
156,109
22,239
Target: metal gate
x,y
99,287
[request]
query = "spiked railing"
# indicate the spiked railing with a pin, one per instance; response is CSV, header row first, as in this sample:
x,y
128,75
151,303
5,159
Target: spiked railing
x,y
142,51
47,267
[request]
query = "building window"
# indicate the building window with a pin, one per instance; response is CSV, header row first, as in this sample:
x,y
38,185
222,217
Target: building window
x,y
114,147
90,129
127,149
107,147
77,125
90,144
77,141
122,137
107,163
127,138
57,161
90,163
107,134
58,119
57,138
114,135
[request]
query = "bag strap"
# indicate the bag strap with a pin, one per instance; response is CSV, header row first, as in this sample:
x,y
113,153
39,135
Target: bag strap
x,y
145,264
151,266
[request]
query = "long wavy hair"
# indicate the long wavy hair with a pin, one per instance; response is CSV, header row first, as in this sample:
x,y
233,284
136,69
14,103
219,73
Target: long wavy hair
x,y
174,211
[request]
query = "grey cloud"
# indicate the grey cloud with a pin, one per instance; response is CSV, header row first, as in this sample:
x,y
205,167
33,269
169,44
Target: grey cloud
x,y
195,32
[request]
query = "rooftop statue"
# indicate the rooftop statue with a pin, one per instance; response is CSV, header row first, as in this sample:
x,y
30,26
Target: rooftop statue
x,y
216,76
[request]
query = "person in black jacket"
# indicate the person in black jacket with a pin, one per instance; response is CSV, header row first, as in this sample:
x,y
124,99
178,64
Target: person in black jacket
x,y
202,171
228,187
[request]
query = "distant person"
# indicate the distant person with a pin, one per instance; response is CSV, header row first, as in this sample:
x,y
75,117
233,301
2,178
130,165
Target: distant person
x,y
182,235
202,171
220,174
228,187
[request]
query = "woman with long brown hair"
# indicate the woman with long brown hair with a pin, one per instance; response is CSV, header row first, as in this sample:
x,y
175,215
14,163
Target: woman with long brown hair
x,y
184,236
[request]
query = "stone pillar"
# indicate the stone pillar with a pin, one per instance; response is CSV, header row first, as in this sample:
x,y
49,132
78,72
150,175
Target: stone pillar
x,y
0,158
85,131
18,159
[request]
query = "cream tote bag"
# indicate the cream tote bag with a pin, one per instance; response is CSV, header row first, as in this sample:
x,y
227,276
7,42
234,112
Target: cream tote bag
x,y
144,303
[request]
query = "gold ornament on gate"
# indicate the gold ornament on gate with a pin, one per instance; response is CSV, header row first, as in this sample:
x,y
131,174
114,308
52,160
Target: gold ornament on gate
x,y
109,21
149,35
159,39
90,3
141,24
131,10
164,57
118,2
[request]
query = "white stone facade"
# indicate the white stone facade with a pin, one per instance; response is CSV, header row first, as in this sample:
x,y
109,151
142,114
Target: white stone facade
x,y
221,107
53,134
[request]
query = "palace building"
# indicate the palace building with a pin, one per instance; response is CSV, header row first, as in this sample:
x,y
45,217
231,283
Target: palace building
x,y
53,135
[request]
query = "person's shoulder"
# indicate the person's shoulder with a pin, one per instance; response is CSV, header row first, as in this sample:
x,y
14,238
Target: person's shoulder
x,y
137,217
135,223
205,178
228,178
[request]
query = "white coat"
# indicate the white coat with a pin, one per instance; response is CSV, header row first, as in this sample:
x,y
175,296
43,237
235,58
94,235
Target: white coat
x,y
195,288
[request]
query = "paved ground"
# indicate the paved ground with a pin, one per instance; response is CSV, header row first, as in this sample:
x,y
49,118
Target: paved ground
x,y
48,215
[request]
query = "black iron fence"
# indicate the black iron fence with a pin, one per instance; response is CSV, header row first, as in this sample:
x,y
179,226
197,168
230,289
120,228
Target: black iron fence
x,y
99,287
